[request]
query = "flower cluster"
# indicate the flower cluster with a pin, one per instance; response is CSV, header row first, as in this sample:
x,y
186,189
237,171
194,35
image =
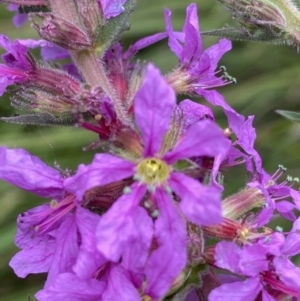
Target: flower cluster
x,y
145,220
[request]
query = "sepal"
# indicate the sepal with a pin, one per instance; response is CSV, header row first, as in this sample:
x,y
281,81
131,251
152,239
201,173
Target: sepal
x,y
110,33
43,119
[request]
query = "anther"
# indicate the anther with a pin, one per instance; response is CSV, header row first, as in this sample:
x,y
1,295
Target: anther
x,y
53,204
127,190
168,189
98,117
155,213
147,204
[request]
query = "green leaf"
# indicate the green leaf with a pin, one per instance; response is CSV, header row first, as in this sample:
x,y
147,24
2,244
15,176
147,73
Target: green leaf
x,y
244,34
290,115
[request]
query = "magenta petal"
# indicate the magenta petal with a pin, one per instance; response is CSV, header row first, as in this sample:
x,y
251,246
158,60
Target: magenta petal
x,y
89,258
104,169
285,209
288,273
20,19
235,120
296,197
174,44
156,101
237,291
112,8
119,287
203,138
253,260
292,241
216,51
266,296
227,256
246,138
193,43
34,260
200,204
143,43
169,259
118,226
136,252
68,287
191,112
54,52
28,172
66,249
274,243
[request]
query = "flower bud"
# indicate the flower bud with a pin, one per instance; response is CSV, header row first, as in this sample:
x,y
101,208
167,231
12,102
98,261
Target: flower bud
x,y
236,205
91,16
61,32
262,20
228,229
195,244
209,255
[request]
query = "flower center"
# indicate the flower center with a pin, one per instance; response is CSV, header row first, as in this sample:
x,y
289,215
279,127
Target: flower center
x,y
153,171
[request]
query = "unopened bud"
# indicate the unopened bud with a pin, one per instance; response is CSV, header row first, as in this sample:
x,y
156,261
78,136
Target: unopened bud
x,y
195,244
61,32
228,229
236,205
179,281
276,21
91,16
209,255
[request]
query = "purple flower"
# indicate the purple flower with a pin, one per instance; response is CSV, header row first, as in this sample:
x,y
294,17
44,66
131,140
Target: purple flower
x,y
54,52
16,60
28,172
196,67
112,8
190,112
47,234
276,196
249,261
263,262
196,74
18,19
69,287
200,204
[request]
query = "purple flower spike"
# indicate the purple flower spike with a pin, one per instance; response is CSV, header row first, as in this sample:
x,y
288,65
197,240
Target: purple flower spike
x,y
127,225
196,74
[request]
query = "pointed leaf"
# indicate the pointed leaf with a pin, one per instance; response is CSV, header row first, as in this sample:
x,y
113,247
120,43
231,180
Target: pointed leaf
x,y
290,115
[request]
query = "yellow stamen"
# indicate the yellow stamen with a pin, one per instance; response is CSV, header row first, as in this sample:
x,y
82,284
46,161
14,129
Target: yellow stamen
x,y
153,171
53,204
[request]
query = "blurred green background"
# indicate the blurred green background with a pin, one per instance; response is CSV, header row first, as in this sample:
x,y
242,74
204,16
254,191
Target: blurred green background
x,y
268,79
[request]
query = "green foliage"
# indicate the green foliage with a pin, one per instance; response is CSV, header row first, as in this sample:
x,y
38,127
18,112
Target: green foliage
x,y
292,116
